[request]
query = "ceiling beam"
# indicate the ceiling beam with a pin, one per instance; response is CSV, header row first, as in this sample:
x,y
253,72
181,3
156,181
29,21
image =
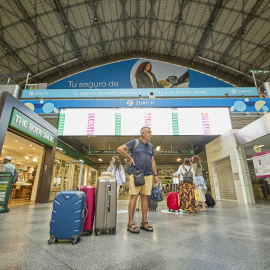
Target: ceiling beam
x,y
208,29
152,15
124,19
37,33
137,24
262,56
97,23
179,22
240,32
68,30
9,51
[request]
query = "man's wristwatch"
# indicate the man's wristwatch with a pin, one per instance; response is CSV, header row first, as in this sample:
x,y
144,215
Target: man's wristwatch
x,y
155,175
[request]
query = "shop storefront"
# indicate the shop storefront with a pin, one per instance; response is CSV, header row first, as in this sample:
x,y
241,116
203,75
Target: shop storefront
x,y
62,176
31,142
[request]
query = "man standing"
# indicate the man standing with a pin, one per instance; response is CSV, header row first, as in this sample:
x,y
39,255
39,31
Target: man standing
x,y
139,162
8,166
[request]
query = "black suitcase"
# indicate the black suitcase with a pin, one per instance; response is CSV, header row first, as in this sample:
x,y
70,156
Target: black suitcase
x,y
152,205
209,200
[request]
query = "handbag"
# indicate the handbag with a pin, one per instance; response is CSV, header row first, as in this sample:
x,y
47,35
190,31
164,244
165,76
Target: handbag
x,y
139,175
197,195
138,178
156,194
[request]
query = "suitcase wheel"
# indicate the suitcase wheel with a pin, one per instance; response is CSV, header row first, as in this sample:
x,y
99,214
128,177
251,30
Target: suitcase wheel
x,y
97,232
74,241
50,240
113,231
88,232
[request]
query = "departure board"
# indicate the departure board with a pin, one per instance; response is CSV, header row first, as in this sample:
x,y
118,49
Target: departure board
x,y
129,121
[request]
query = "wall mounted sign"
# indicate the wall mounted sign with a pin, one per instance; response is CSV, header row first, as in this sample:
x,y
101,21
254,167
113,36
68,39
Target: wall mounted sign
x,y
144,93
27,126
160,152
235,104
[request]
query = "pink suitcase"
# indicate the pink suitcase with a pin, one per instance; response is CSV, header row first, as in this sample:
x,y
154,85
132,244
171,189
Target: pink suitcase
x,y
172,201
90,208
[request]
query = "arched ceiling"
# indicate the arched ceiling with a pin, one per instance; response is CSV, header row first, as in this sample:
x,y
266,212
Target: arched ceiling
x,y
52,39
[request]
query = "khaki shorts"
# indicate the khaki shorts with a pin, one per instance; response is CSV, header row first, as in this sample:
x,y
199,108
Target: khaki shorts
x,y
145,189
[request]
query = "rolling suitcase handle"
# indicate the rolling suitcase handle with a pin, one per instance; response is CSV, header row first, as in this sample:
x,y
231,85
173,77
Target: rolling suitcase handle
x,y
109,199
81,172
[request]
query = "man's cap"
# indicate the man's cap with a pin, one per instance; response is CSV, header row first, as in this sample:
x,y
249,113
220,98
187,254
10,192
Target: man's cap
x,y
8,158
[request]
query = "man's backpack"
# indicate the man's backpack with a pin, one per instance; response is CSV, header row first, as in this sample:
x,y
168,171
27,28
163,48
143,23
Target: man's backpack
x,y
130,153
188,175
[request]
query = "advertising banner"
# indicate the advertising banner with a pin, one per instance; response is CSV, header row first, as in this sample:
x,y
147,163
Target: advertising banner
x,y
235,104
261,162
130,74
140,93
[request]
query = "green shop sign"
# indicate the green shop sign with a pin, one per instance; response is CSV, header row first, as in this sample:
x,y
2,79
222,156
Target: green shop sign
x,y
5,187
28,127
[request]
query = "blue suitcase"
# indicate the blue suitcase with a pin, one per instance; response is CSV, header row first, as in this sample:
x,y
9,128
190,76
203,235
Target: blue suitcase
x,y
68,214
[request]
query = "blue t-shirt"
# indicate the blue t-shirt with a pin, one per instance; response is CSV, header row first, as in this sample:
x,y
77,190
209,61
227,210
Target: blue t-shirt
x,y
138,156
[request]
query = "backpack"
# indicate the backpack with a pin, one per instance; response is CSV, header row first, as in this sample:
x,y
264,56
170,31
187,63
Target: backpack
x,y
188,175
126,167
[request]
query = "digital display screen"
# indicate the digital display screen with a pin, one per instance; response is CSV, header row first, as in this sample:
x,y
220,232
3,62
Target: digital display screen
x,y
129,121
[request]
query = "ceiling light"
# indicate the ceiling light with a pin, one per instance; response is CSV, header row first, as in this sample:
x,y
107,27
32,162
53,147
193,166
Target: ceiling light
x,y
261,145
178,159
30,144
21,148
16,141
100,159
35,160
34,148
30,155
158,148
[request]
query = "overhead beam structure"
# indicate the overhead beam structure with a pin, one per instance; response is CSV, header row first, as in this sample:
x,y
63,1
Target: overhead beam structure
x,y
209,27
38,34
68,30
93,4
240,32
9,50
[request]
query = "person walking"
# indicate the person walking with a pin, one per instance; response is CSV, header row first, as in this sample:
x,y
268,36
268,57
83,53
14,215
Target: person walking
x,y
200,182
186,192
142,159
117,171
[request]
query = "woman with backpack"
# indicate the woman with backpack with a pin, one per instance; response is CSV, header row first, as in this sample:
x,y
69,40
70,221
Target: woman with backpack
x,y
186,193
200,182
117,171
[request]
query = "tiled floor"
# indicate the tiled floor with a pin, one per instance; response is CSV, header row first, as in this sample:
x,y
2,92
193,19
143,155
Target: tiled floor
x,y
228,236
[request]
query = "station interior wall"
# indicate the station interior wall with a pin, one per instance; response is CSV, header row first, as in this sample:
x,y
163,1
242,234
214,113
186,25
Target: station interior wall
x,y
226,146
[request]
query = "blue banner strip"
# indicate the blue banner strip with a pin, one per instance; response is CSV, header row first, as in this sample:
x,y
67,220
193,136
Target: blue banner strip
x,y
144,92
235,105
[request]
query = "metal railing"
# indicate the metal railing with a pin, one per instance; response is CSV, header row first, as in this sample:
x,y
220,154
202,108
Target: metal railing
x,y
5,79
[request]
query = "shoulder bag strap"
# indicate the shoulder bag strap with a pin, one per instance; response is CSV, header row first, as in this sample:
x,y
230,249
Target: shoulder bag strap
x,y
145,156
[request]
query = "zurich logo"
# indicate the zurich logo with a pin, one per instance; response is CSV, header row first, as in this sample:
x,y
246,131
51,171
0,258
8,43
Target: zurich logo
x,y
233,91
129,103
31,93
